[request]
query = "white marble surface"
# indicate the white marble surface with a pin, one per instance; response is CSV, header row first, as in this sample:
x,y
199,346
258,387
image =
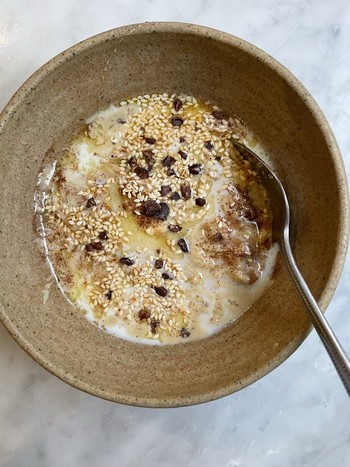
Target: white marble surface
x,y
299,415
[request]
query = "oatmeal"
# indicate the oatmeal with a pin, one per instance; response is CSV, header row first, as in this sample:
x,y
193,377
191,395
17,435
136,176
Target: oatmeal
x,y
156,227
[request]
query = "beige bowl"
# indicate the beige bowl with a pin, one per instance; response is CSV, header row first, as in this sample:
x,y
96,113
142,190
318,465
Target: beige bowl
x,y
168,57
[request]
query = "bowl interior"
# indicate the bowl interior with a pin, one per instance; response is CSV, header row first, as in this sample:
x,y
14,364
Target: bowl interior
x,y
40,121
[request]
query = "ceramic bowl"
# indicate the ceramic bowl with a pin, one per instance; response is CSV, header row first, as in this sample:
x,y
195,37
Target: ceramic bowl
x,y
41,119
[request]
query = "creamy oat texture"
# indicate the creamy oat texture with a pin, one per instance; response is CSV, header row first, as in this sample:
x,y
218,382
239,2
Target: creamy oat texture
x,y
156,227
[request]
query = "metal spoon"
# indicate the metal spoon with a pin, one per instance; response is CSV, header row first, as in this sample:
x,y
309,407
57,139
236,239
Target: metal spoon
x,y
280,234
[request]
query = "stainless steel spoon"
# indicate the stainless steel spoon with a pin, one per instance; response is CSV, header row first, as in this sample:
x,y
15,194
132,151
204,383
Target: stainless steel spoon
x,y
280,234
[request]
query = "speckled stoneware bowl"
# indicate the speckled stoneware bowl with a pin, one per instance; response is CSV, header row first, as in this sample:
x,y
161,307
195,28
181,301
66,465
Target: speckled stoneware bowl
x,y
167,57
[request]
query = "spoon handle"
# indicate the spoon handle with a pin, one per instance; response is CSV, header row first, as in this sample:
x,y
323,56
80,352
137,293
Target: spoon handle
x,y
327,336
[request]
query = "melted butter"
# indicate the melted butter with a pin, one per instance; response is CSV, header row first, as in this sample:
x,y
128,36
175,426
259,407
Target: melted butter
x,y
139,237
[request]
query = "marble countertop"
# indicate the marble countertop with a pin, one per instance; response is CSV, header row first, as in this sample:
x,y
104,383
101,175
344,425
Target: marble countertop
x,y
298,415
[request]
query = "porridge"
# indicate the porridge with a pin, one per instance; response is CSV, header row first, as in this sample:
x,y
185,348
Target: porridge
x,y
157,229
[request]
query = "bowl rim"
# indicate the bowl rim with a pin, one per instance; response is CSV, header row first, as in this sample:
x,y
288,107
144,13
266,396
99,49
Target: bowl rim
x,y
341,178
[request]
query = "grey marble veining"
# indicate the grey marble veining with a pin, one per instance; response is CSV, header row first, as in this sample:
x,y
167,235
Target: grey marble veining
x,y
299,415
